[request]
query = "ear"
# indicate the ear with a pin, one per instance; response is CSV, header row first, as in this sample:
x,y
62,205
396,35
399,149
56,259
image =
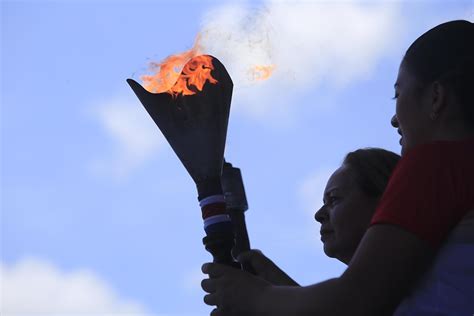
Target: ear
x,y
438,99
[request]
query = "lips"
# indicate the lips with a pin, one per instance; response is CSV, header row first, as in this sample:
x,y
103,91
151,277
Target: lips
x,y
325,235
401,134
326,231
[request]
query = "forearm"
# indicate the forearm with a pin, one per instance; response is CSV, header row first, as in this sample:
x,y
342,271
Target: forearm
x,y
279,277
331,297
387,263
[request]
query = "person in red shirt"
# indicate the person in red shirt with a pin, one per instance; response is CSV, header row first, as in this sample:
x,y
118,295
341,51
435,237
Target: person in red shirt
x,y
430,192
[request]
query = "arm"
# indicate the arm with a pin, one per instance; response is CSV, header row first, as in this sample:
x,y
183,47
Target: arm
x,y
385,266
387,263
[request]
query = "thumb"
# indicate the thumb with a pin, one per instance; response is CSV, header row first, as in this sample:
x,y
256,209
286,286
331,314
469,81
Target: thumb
x,y
255,258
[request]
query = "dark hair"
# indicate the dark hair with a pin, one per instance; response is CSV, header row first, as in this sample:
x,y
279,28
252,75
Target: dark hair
x,y
373,168
446,54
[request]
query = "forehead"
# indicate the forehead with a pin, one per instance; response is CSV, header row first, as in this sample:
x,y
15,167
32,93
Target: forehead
x,y
341,179
405,78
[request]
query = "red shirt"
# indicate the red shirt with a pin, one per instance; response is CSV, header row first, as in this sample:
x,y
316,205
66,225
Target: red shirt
x,y
430,190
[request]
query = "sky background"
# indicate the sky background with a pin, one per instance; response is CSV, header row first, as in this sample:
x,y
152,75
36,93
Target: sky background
x,y
98,216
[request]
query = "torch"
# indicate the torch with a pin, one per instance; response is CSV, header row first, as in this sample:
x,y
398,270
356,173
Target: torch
x,y
193,116
236,205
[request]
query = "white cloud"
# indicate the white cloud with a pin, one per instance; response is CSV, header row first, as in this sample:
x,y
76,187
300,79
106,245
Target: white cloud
x,y
308,42
34,287
135,136
191,281
312,188
310,193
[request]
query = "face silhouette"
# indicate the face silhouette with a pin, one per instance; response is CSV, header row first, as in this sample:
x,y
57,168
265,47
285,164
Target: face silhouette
x,y
345,215
413,108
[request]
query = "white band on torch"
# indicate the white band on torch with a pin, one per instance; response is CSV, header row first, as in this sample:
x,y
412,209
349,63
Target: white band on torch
x,y
216,219
219,198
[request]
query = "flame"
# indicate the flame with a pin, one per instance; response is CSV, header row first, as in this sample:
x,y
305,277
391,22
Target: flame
x,y
195,73
178,74
261,72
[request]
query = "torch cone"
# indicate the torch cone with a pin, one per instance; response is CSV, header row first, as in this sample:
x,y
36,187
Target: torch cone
x,y
194,125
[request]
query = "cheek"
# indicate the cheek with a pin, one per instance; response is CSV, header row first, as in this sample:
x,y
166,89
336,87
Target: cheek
x,y
350,222
341,220
400,111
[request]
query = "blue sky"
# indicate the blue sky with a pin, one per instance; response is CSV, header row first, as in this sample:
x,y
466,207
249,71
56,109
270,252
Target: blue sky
x,y
95,201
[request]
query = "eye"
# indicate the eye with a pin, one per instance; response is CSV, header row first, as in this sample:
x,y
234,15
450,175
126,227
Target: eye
x,y
333,200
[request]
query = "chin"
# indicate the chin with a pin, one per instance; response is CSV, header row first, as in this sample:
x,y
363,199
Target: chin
x,y
335,253
329,251
404,149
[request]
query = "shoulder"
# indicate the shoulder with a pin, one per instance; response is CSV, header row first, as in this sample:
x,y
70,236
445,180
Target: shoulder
x,y
439,163
431,189
440,151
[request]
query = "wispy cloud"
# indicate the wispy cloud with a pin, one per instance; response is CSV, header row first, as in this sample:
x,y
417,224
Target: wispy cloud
x,y
309,43
32,287
135,137
311,189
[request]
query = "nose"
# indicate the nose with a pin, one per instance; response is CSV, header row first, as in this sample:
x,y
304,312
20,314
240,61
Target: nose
x,y
394,121
321,214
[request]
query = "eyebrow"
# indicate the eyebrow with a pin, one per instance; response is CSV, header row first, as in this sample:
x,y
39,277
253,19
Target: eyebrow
x,y
396,84
328,192
332,189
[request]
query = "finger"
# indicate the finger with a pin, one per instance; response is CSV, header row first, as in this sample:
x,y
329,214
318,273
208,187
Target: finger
x,y
215,270
216,312
211,299
255,258
208,285
220,311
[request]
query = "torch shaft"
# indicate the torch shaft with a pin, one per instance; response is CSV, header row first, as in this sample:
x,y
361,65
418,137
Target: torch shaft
x,y
236,205
242,242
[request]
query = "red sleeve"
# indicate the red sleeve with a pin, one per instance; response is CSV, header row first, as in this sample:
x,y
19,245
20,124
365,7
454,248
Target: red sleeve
x,y
430,190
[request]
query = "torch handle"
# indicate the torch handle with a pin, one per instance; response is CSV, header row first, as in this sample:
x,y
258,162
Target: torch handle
x,y
236,205
242,242
220,245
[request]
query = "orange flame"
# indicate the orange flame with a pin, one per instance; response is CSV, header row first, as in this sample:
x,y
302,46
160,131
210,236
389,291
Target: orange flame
x,y
261,72
196,71
178,74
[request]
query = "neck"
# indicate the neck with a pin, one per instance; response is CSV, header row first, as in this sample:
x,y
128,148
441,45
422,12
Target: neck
x,y
454,131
